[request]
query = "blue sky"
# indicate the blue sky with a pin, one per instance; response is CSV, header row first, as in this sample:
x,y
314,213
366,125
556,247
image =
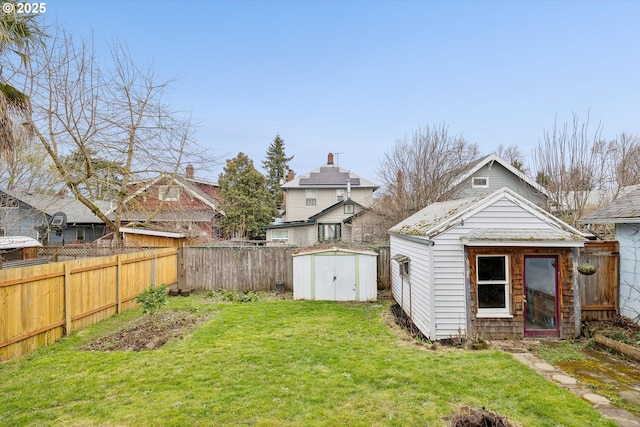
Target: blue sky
x,y
352,77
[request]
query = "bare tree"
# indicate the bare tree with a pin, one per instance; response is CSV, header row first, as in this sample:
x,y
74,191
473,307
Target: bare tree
x,y
419,170
84,107
514,156
581,170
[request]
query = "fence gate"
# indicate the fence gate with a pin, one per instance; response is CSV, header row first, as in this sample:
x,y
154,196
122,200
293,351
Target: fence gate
x,y
599,291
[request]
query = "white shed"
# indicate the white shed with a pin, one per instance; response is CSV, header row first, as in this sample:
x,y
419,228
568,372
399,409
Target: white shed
x,y
335,274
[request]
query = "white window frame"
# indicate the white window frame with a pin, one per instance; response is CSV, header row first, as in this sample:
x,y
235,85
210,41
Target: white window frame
x,y
339,194
504,312
169,193
474,185
311,198
280,239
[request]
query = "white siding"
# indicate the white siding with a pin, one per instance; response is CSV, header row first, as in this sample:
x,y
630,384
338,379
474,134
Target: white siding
x,y
415,294
628,235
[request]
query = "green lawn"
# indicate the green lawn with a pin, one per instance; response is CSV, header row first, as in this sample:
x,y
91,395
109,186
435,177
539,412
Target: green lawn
x,y
276,363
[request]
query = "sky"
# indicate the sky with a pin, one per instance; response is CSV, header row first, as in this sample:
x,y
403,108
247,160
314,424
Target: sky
x,y
352,77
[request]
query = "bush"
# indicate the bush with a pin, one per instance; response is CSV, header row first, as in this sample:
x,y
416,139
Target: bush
x,y
152,299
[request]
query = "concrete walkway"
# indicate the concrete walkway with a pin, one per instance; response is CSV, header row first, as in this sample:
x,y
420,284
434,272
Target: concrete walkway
x,y
601,403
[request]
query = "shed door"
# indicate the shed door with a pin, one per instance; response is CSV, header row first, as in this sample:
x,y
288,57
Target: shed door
x,y
335,278
541,291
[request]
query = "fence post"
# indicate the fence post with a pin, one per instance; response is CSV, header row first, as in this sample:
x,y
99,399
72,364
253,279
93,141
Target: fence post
x,y
67,299
118,284
180,266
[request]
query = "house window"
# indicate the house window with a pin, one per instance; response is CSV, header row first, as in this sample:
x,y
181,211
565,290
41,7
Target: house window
x,y
479,182
328,232
168,194
310,197
349,209
280,236
339,195
405,268
493,286
80,234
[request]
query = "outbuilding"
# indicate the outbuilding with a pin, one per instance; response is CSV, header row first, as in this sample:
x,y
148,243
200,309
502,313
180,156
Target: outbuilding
x,y
496,266
334,274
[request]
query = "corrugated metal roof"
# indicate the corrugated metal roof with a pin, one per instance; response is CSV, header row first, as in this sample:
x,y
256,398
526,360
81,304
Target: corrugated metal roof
x,y
624,209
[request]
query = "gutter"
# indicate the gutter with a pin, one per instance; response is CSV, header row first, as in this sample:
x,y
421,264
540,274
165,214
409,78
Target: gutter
x,y
412,238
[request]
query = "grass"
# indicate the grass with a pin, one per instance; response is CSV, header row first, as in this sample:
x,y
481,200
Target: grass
x,y
276,363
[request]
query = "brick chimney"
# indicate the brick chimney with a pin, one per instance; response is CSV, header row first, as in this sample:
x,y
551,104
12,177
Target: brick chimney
x,y
190,171
291,175
330,159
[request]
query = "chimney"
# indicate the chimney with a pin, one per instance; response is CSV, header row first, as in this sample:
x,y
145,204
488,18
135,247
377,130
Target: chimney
x,y
190,171
330,159
291,175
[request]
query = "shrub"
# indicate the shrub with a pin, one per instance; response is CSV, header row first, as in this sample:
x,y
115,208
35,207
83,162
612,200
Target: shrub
x,y
152,299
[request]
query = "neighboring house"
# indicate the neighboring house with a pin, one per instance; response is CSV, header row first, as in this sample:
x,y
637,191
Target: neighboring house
x,y
495,265
53,219
492,173
624,212
174,203
321,205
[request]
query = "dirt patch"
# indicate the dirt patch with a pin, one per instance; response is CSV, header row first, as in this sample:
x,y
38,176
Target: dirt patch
x,y
619,328
473,417
148,332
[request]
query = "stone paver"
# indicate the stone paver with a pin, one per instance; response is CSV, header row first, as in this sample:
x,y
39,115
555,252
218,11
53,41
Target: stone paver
x,y
601,403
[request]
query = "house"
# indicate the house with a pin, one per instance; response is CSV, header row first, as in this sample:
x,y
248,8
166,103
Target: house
x,y
321,205
174,203
492,173
624,212
51,218
495,265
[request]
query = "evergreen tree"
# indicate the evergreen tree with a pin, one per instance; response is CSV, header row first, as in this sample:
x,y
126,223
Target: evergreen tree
x,y
276,165
248,205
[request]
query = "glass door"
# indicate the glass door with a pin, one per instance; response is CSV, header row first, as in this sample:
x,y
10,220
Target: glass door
x,y
541,296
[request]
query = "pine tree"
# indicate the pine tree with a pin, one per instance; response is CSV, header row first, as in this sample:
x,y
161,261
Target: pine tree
x,y
248,205
276,165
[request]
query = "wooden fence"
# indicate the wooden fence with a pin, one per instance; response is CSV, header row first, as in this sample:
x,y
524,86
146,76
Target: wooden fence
x,y
599,291
40,304
249,268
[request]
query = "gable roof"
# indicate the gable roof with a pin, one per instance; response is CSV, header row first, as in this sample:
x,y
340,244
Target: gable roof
x,y
187,184
49,204
329,176
489,160
438,217
624,209
334,206
312,219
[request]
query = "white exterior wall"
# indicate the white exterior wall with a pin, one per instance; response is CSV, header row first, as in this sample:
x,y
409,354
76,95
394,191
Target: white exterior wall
x,y
414,295
354,273
296,209
628,235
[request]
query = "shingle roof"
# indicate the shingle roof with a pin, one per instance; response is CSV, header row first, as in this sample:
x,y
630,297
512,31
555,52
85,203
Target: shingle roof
x,y
624,209
75,211
329,176
533,236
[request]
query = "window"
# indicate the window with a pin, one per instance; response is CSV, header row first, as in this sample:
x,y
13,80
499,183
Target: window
x,y
339,195
311,197
493,286
404,268
328,232
168,194
349,209
479,182
80,234
280,236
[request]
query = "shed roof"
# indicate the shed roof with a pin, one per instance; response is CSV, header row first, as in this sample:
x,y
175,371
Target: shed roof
x,y
334,249
624,209
439,217
18,242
